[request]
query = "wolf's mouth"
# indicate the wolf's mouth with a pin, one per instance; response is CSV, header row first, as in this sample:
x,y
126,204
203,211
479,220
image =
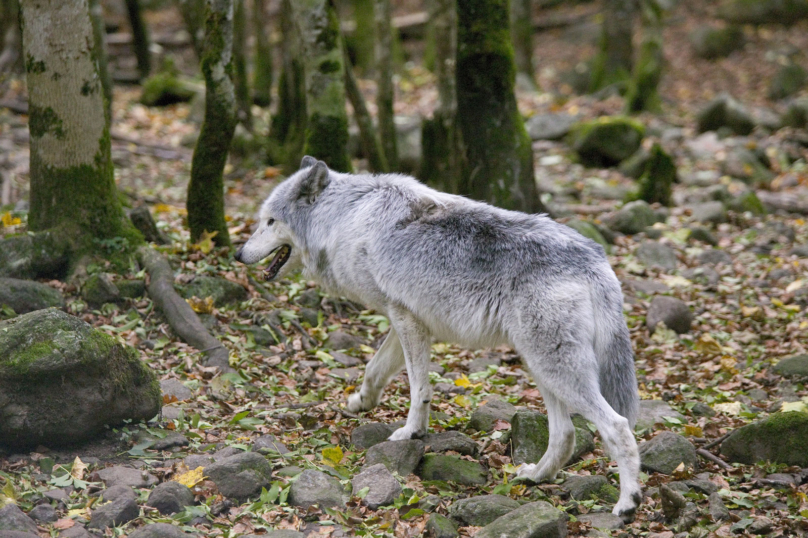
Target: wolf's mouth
x,y
278,261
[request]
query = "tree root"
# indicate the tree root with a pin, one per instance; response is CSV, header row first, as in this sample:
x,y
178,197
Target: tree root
x,y
179,314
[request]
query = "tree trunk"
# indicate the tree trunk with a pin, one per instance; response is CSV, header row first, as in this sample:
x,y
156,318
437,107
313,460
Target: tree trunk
x,y
327,122
522,33
262,77
72,184
642,90
140,38
371,144
614,59
193,14
385,96
100,43
243,101
498,149
205,202
11,57
363,37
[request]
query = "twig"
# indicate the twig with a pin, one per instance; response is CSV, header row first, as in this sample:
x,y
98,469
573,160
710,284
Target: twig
x,y
343,412
296,324
718,441
713,458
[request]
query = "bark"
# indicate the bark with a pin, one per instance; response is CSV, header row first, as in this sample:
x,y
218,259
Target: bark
x,y
642,91
72,184
371,144
362,38
243,101
193,14
100,43
522,34
327,121
11,57
205,201
385,96
498,149
262,78
140,38
614,60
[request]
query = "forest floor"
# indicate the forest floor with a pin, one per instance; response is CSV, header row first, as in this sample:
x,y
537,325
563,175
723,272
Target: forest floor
x,y
748,307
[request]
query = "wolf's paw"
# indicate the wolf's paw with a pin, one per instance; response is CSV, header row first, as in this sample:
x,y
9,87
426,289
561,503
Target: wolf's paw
x,y
406,432
627,507
357,403
532,472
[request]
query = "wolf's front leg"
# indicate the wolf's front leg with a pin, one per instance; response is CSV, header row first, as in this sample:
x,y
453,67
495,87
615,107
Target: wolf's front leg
x,y
415,340
387,362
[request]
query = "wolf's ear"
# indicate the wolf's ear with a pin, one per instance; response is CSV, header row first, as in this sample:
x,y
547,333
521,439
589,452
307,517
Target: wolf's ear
x,y
315,182
307,161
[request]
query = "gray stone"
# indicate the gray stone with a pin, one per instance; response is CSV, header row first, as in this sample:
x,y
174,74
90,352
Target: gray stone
x,y
170,498
673,312
481,364
76,531
452,441
779,481
57,494
174,388
289,471
268,443
796,114
648,287
549,126
310,316
702,485
485,417
530,436
159,530
582,488
655,411
606,141
590,231
348,375
702,410
14,519
309,299
665,452
705,276
25,296
480,510
796,365
114,513
197,460
315,488
342,340
114,493
242,476
779,438
709,212
383,486
724,111
222,291
345,360
18,534
44,513
602,520
761,525
533,520
788,80
718,510
119,475
633,218
710,42
655,254
400,457
60,381
280,533
699,233
172,440
673,502
439,526
99,290
368,435
452,468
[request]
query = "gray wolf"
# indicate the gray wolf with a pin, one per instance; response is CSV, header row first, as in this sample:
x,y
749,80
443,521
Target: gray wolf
x,y
445,267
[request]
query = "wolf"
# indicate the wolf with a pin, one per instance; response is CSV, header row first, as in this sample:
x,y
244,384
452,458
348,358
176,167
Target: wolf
x,y
444,267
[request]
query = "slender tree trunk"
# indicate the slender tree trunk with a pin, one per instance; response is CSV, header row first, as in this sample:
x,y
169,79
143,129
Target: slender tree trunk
x,y
363,37
72,185
642,90
243,101
385,97
327,122
193,14
11,57
205,202
614,60
262,77
100,43
371,144
498,149
140,38
522,33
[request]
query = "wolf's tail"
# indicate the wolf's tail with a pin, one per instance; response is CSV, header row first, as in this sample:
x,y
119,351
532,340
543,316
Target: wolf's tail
x,y
618,383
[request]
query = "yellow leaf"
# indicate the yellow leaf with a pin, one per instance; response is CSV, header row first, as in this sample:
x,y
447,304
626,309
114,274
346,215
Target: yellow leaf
x,y
794,286
77,512
733,408
728,364
332,455
680,468
518,490
191,478
201,306
8,495
694,431
79,468
708,345
794,406
8,220
777,302
463,381
750,311
462,401
205,243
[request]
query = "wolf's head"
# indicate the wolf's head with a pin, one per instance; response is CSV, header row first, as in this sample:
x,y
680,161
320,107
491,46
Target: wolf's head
x,y
275,234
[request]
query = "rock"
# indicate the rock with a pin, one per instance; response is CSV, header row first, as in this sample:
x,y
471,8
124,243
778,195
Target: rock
x,y
76,531
714,256
665,452
345,360
172,440
633,218
348,375
439,526
480,510
242,476
673,502
310,316
530,436
309,299
702,485
13,519
113,493
549,126
368,435
779,438
724,111
718,511
654,411
533,520
635,166
648,287
131,289
160,530
485,416
452,441
748,202
25,296
383,486
18,534
315,488
143,221
582,488
607,140
796,114
763,11
268,443
706,276
709,212
710,43
588,230
99,290
170,498
343,340
43,255
602,520
481,364
790,79
673,312
221,290
796,365
114,513
699,233
166,88
744,164
119,475
761,525
50,360
289,472
175,389
400,457
658,177
452,468
702,410
653,254
44,513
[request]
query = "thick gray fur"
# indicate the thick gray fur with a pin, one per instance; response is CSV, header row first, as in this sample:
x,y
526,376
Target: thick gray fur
x,y
444,267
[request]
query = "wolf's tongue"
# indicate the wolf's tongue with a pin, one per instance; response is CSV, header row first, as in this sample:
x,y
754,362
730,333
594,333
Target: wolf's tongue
x,y
280,258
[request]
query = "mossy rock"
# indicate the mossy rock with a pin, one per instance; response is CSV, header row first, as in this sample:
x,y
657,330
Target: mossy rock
x,y
61,381
596,487
763,11
748,201
221,290
25,296
440,526
481,510
99,289
793,366
711,43
780,438
789,80
43,255
724,111
537,519
656,182
633,218
796,114
165,89
131,289
606,141
452,469
530,436
588,230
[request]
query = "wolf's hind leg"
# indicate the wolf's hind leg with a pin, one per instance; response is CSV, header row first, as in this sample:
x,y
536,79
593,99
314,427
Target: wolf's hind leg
x,y
561,443
415,340
387,362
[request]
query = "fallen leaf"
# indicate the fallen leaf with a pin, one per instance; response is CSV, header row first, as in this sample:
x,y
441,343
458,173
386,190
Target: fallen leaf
x,y
191,478
64,523
79,468
201,306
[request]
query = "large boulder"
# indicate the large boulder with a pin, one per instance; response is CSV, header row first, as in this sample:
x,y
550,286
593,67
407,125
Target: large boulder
x,y
400,457
796,365
607,140
530,437
724,111
710,42
480,510
533,520
25,296
633,218
452,468
14,519
241,476
316,488
383,488
780,438
42,255
61,381
665,452
485,417
673,312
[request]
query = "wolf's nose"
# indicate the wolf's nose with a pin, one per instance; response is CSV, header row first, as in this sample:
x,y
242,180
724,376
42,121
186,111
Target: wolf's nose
x,y
238,253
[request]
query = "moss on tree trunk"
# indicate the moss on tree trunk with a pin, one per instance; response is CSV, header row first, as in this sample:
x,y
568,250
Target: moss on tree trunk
x,y
243,101
385,96
262,78
613,62
361,41
205,202
498,149
140,38
193,14
522,34
642,90
100,43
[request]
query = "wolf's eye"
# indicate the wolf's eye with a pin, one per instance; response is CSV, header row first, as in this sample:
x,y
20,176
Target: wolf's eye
x,y
270,222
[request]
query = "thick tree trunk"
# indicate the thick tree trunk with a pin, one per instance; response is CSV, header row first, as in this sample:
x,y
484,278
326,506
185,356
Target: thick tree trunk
x,y
100,43
140,38
205,201
193,14
498,149
243,101
385,97
262,77
72,184
327,121
522,33
614,60
642,90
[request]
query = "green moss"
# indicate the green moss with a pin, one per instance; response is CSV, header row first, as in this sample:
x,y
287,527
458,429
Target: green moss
x,y
165,88
780,438
44,120
748,202
330,66
656,183
452,468
34,66
607,140
327,139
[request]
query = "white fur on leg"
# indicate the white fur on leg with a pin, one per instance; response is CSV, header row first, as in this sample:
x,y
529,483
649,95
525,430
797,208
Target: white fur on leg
x,y
536,473
407,432
387,362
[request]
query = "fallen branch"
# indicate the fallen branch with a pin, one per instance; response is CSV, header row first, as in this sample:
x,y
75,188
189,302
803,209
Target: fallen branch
x,y
713,458
717,442
178,312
